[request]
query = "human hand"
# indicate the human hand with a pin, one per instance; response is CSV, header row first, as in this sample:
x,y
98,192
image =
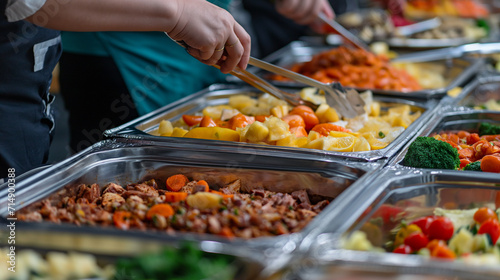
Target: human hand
x,y
304,11
211,32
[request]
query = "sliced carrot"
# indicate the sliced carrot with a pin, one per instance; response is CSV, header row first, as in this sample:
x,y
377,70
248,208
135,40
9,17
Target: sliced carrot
x,y
294,121
463,162
325,128
491,163
466,153
261,118
164,210
240,120
203,183
207,121
191,120
224,124
442,251
176,182
299,131
121,219
224,196
175,196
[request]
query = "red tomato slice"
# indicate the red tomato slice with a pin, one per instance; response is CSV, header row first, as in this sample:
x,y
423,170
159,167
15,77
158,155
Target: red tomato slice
x,y
491,227
416,241
441,228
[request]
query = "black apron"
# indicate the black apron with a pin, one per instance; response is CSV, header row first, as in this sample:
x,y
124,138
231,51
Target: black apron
x,y
28,55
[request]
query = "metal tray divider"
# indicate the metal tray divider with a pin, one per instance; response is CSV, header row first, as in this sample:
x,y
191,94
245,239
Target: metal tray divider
x,y
477,82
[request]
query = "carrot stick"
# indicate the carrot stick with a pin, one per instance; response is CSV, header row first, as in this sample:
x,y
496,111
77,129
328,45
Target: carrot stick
x,y
175,196
164,210
176,182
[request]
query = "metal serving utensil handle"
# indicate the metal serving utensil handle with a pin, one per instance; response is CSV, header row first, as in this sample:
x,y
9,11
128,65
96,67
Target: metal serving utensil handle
x,y
346,34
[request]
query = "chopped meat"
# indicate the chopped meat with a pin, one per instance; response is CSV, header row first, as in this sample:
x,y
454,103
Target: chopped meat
x,y
111,199
91,193
113,188
301,196
151,191
320,205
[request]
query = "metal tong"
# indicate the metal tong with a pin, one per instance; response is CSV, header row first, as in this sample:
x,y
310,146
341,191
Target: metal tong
x,y
347,102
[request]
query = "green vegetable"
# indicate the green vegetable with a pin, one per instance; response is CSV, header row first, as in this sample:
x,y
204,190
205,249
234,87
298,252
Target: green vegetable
x,y
427,152
488,129
186,263
381,134
473,166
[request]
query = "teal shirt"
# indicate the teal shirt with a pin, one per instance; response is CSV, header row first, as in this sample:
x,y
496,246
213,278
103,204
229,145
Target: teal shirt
x,y
155,69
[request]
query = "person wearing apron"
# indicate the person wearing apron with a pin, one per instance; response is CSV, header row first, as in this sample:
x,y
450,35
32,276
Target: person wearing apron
x,y
29,53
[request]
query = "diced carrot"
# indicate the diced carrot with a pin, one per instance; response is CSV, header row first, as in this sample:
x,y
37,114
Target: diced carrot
x,y
472,138
466,153
294,121
491,163
299,131
462,134
175,196
442,251
191,120
224,124
325,128
491,138
226,232
164,210
121,219
176,182
203,183
207,121
307,114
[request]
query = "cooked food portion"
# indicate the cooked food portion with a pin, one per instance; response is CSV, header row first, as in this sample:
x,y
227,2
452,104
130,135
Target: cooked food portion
x,y
374,25
458,150
356,68
460,8
271,121
470,235
453,28
179,205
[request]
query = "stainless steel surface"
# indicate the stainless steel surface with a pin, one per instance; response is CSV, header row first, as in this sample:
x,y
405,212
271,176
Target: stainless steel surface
x,y
453,52
458,70
450,118
348,104
126,161
422,190
478,92
424,25
219,94
344,33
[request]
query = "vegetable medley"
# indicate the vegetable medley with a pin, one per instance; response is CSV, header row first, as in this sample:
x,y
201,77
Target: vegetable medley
x,y
270,121
458,150
471,235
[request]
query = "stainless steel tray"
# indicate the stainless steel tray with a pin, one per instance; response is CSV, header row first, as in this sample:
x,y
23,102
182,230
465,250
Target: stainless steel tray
x,y
478,92
451,118
458,70
126,161
219,94
397,187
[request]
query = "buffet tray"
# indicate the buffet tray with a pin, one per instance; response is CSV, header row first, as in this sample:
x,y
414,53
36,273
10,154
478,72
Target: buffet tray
x,y
416,192
450,118
219,94
478,92
126,161
460,70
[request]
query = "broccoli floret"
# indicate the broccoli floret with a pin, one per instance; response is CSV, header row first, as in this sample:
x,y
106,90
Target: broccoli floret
x,y
427,152
473,166
488,129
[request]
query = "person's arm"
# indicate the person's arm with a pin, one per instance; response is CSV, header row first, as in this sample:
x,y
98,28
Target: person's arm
x,y
304,11
206,28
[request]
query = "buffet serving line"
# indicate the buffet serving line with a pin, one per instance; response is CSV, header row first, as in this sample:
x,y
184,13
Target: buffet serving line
x,y
241,184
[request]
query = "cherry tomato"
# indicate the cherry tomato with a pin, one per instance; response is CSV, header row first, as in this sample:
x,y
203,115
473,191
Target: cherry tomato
x,y
403,249
240,120
483,214
207,122
491,227
423,223
307,114
416,241
441,228
191,120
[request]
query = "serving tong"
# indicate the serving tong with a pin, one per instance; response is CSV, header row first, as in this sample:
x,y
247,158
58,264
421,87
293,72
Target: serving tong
x,y
348,103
